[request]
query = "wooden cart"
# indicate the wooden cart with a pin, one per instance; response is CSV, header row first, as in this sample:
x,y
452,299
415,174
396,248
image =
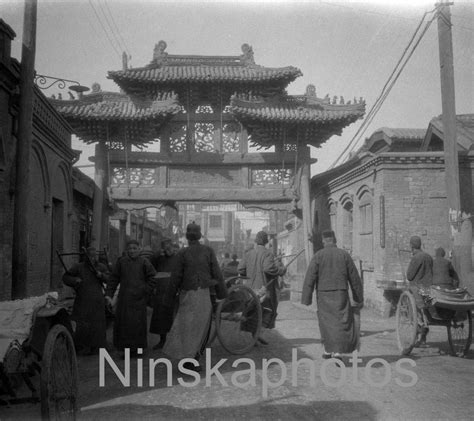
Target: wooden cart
x,y
37,356
237,320
450,308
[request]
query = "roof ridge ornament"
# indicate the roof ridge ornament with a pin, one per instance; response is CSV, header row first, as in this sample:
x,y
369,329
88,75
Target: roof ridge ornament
x,y
159,54
247,56
311,91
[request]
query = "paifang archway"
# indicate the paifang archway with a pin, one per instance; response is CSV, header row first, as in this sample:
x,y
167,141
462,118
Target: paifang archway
x,y
205,111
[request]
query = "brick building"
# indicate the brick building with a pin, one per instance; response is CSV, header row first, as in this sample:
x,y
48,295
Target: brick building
x,y
391,189
51,196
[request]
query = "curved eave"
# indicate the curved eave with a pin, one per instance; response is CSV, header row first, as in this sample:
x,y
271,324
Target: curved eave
x,y
101,131
115,109
204,74
291,112
272,115
272,123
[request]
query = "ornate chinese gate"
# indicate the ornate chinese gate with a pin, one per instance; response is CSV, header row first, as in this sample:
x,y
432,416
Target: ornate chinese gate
x,y
202,116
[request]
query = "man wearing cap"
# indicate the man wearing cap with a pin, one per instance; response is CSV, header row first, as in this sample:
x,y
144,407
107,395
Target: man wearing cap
x,y
136,277
444,274
86,279
195,271
420,277
230,269
165,292
261,267
331,272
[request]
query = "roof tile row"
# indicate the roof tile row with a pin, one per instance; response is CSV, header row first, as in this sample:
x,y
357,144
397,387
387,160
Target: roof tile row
x,y
203,73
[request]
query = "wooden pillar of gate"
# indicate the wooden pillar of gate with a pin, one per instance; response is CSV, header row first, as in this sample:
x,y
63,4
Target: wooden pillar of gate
x,y
100,179
305,183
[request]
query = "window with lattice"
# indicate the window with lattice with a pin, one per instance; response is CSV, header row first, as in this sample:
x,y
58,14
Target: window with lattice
x,y
366,228
333,216
347,226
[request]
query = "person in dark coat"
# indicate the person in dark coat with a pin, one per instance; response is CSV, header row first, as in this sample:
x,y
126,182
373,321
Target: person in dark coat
x,y
196,270
136,277
165,293
230,269
261,267
225,261
444,274
331,272
89,305
420,278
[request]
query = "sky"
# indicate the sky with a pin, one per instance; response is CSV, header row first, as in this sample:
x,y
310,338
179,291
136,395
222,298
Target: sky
x,y
344,48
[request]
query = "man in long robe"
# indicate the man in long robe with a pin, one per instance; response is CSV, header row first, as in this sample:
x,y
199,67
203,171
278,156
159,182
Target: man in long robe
x,y
261,267
196,270
86,278
331,272
136,277
444,274
420,277
165,293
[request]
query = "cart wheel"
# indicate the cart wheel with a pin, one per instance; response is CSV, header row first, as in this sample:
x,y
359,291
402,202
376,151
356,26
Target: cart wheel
x,y
239,320
407,323
460,333
59,376
212,331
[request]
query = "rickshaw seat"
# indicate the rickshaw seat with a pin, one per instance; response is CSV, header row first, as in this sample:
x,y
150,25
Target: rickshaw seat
x,y
16,319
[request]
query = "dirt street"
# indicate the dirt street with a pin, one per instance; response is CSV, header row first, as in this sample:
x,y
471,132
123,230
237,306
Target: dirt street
x,y
432,385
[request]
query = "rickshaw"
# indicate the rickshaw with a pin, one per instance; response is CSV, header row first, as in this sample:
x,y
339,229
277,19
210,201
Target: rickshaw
x,y
444,307
237,320
37,352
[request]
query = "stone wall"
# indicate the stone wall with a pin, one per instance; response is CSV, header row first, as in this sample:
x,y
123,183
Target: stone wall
x,y
50,187
6,197
408,197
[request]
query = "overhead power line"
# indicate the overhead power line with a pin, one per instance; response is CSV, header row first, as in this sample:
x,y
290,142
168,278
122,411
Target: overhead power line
x,y
115,33
126,49
406,55
105,31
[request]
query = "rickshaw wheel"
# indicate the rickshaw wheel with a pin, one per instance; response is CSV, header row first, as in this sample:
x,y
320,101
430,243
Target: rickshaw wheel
x,y
460,333
59,376
239,320
407,323
212,331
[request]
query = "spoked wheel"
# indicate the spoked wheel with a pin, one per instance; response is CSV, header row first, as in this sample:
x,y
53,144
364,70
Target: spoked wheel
x,y
239,320
212,331
407,323
460,333
59,376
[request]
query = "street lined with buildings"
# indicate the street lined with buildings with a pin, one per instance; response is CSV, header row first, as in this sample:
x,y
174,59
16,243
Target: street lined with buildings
x,y
443,388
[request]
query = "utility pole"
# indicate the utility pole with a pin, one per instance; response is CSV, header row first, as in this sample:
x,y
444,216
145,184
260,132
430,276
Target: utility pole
x,y
23,153
459,222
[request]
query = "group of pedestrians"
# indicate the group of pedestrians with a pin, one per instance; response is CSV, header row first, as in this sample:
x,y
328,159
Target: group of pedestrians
x,y
181,284
184,283
423,272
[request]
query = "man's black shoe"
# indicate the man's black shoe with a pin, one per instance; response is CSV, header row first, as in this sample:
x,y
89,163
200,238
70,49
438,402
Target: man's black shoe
x,y
159,345
262,341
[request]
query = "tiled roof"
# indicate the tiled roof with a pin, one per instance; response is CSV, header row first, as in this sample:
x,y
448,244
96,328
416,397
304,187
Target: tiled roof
x,y
115,106
98,116
166,68
204,73
295,109
388,139
293,119
464,129
408,134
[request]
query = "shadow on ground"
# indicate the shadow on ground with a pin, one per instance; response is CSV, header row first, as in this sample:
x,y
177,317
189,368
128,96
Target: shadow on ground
x,y
320,410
